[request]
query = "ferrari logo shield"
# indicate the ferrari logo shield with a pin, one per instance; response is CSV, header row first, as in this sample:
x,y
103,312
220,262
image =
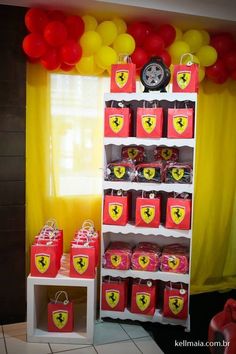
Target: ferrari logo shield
x,y
121,77
116,123
80,263
176,304
112,297
147,213
180,123
115,210
183,79
119,171
149,172
143,300
177,173
149,123
60,318
177,214
166,153
173,262
42,262
132,153
143,261
115,260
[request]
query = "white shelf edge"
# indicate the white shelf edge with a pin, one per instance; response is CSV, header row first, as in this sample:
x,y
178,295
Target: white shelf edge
x,y
131,229
166,187
149,142
168,96
158,275
157,317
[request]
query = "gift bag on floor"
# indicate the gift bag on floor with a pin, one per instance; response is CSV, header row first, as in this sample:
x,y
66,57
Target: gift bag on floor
x,y
60,313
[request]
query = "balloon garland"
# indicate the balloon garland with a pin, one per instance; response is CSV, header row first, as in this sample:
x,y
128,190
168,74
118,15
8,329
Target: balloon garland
x,y
60,42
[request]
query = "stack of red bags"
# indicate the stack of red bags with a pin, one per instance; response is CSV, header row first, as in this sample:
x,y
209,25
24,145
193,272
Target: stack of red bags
x,y
118,256
84,252
146,256
46,251
175,259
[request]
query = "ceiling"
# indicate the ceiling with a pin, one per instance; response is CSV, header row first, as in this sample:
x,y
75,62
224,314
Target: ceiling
x,y
212,15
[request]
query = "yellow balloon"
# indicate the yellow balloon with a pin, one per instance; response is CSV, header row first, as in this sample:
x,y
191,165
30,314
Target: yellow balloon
x,y
105,57
124,44
90,42
107,31
90,23
201,73
86,65
177,49
120,24
179,33
194,39
207,55
205,37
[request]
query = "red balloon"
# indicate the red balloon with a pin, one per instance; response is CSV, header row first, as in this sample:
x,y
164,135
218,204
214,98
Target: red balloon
x,y
51,59
230,60
217,72
222,43
139,57
66,67
55,33
34,45
75,26
167,33
71,52
154,44
56,15
36,20
165,56
139,31
233,75
32,60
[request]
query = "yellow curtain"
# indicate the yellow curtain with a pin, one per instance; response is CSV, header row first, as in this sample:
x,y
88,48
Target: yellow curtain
x,y
214,237
64,146
63,152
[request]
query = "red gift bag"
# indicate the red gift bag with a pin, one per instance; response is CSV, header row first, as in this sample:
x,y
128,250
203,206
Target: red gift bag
x,y
180,123
143,297
60,314
178,213
147,212
175,302
123,77
149,122
114,294
44,259
82,260
115,210
117,122
185,77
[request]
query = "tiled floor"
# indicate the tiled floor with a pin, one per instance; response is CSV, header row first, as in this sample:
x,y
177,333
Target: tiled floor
x,y
110,338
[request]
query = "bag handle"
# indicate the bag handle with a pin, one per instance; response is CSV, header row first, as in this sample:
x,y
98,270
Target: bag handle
x,y
189,63
58,294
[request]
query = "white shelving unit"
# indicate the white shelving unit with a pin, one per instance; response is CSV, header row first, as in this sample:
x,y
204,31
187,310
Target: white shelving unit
x,y
161,235
38,289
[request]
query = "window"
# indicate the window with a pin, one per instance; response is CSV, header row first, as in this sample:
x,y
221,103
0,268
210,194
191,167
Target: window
x,y
76,134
